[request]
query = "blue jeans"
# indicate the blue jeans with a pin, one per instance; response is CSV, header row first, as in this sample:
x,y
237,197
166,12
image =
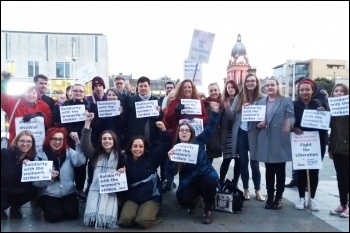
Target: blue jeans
x,y
242,149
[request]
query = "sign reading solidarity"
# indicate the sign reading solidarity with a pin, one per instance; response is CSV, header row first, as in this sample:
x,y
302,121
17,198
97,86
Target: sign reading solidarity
x,y
192,107
72,113
146,108
112,182
339,106
36,170
108,108
185,153
316,119
253,113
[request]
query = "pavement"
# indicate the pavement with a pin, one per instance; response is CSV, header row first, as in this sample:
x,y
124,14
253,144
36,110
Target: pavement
x,y
254,218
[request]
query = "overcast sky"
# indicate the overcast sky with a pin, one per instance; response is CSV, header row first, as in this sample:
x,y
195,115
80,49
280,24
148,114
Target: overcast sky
x,y
153,38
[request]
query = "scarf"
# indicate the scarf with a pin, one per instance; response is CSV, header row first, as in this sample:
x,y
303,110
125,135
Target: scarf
x,y
102,209
145,97
57,159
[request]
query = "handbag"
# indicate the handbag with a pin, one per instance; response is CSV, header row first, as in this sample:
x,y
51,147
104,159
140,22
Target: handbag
x,y
229,199
5,140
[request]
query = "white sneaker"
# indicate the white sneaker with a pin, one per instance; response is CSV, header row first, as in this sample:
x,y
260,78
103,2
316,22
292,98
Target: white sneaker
x,y
345,213
314,205
340,209
301,204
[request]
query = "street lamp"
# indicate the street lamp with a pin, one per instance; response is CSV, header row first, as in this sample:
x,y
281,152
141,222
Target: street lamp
x,y
293,89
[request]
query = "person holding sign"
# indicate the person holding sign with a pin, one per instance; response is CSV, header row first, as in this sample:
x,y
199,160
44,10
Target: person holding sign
x,y
101,208
144,196
274,153
57,197
338,150
15,193
306,89
244,135
201,178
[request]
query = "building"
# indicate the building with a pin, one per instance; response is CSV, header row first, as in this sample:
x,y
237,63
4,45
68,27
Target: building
x,y
59,56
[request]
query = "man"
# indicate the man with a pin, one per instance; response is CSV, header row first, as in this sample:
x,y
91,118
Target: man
x,y
169,86
40,82
119,83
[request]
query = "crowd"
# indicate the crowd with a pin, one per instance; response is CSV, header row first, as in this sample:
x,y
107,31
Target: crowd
x,y
144,148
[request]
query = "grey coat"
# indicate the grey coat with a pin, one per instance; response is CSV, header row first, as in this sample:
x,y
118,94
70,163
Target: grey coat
x,y
274,140
252,130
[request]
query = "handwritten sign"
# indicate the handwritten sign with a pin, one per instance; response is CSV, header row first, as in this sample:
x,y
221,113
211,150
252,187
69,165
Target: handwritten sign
x,y
108,108
146,108
316,119
192,107
185,153
36,170
193,71
253,112
72,113
201,45
86,73
196,123
36,126
112,182
339,106
306,150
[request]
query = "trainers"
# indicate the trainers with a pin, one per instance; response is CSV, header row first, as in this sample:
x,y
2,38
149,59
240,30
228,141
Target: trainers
x,y
207,217
15,213
301,204
340,209
81,196
314,205
345,213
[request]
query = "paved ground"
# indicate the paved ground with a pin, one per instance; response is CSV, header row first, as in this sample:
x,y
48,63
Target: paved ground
x,y
253,219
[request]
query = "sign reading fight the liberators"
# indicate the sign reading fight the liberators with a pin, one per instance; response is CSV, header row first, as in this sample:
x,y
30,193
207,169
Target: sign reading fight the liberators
x,y
316,119
146,108
72,113
36,170
306,150
339,106
192,107
35,126
196,123
112,182
193,71
253,112
185,153
201,45
108,108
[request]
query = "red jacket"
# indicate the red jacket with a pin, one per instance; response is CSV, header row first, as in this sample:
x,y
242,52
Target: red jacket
x,y
8,103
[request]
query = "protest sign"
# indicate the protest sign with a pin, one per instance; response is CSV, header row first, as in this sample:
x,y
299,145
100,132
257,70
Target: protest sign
x,y
112,182
185,153
36,170
146,108
193,71
35,125
253,112
192,107
72,113
316,119
201,45
196,123
339,106
108,108
86,73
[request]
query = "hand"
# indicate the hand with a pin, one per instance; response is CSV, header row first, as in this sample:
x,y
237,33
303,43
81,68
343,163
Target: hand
x,y
122,169
170,153
5,75
158,108
28,117
25,161
74,136
54,174
246,104
297,130
89,116
321,109
120,109
261,125
215,106
160,125
179,107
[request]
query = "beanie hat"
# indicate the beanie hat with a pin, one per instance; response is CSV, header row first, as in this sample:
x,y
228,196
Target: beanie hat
x,y
98,80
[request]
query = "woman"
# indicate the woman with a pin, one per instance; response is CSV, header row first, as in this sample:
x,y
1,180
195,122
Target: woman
x,y
278,124
244,135
230,92
58,198
15,193
144,196
101,208
338,150
198,179
306,89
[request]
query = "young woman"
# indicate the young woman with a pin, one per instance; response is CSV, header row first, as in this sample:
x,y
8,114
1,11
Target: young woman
x,y
58,198
144,195
339,151
198,179
101,208
15,193
244,135
278,124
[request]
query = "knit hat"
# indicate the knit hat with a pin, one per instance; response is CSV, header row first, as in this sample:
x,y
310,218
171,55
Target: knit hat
x,y
97,80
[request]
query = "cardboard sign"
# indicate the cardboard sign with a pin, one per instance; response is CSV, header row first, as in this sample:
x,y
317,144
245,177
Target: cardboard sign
x,y
36,170
72,113
339,106
146,108
185,153
36,126
192,107
316,119
112,182
108,108
253,113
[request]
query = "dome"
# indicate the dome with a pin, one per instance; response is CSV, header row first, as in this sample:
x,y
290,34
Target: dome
x,y
238,48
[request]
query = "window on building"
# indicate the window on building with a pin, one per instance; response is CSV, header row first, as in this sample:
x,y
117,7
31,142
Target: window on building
x,y
339,77
329,77
11,67
62,70
33,68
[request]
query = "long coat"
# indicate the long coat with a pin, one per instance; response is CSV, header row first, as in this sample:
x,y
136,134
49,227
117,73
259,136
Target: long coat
x,y
274,140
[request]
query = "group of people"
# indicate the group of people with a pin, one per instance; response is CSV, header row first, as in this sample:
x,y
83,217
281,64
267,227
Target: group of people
x,y
141,147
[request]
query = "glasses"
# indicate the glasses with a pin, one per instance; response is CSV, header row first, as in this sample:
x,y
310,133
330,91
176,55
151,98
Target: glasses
x,y
77,91
250,81
119,83
57,140
25,142
184,130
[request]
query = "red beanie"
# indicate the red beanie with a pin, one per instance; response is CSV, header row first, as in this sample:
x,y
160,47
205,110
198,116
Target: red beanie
x,y
98,80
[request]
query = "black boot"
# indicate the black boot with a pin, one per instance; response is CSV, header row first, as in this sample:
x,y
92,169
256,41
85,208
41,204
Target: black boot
x,y
292,184
269,202
277,204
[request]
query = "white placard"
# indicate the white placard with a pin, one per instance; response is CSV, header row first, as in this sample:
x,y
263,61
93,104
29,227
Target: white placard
x,y
146,108
185,153
316,119
112,182
306,150
253,112
339,106
196,123
72,113
36,170
36,126
201,45
108,108
192,107
193,71
86,73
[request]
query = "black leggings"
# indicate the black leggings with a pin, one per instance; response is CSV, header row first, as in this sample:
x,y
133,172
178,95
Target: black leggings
x,y
224,168
16,200
341,164
205,186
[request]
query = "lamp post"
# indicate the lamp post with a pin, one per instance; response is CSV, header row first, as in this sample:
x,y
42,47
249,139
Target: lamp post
x,y
293,84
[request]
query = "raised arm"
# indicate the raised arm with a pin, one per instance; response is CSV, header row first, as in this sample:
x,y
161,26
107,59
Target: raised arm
x,y
86,144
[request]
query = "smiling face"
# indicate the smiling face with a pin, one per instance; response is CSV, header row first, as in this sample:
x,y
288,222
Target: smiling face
x,y
41,84
214,91
271,88
107,142
184,133
137,148
111,95
251,83
25,143
187,90
143,88
56,141
305,92
31,96
338,91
